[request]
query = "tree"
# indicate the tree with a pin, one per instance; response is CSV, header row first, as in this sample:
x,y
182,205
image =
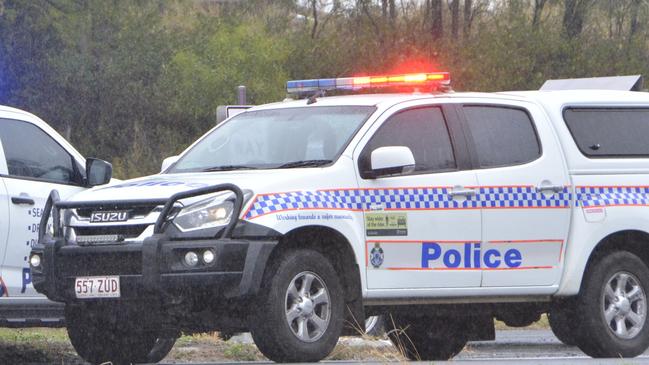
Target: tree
x,y
574,15
537,12
436,19
455,18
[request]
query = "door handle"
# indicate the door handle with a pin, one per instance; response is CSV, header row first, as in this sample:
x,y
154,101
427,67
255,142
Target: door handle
x,y
460,191
22,200
552,188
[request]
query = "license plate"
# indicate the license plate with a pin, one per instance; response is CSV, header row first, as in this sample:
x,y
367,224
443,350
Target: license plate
x,y
97,287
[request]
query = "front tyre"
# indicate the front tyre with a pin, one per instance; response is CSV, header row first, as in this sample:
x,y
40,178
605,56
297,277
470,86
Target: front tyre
x,y
100,337
613,307
562,323
299,309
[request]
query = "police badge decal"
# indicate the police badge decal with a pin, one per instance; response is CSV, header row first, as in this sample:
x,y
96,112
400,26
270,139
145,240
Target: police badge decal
x,y
376,256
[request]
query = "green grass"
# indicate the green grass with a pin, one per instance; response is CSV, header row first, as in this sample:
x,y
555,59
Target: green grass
x,y
30,335
42,345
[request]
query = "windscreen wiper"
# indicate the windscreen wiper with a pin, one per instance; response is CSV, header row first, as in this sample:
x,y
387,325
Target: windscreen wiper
x,y
229,168
304,163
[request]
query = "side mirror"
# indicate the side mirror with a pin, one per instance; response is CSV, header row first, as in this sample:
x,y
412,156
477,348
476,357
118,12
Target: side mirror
x,y
98,172
391,160
167,162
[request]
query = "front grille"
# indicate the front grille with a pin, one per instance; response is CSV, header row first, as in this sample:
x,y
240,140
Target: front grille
x,y
130,231
101,263
134,211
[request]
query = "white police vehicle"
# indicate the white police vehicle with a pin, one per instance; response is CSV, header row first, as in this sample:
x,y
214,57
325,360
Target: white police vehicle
x,y
34,159
442,210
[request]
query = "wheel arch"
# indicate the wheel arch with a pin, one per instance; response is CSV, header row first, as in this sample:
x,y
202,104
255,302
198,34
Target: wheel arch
x,y
337,248
630,240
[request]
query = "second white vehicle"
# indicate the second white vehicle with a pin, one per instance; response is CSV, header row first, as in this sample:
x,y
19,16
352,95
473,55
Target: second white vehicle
x,y
34,160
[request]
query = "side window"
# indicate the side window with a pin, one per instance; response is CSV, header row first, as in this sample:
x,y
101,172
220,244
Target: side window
x,y
31,153
612,132
502,136
424,131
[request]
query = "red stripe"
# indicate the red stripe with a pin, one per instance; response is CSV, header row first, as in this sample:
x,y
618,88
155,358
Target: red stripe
x,y
526,241
417,241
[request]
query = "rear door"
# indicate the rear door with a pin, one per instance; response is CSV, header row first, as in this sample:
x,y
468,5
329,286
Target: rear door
x,y
524,190
36,164
420,227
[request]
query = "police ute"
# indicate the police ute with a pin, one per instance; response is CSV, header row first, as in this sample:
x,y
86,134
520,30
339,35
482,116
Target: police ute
x,y
439,210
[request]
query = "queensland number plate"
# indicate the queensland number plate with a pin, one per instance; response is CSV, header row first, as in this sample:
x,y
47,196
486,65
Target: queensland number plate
x,y
97,287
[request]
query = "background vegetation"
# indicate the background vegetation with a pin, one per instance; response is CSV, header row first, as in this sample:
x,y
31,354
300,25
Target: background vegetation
x,y
133,81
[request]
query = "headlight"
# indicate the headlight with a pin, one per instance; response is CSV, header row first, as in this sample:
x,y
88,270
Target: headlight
x,y
208,213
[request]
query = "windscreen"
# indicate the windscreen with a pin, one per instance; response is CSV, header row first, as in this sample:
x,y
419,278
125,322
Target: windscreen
x,y
277,138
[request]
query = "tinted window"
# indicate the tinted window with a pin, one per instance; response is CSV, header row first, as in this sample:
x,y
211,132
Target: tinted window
x,y
502,136
32,153
424,131
609,132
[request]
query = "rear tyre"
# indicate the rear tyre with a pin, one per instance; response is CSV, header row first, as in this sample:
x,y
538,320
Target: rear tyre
x,y
161,349
427,338
99,337
375,326
300,314
562,322
612,307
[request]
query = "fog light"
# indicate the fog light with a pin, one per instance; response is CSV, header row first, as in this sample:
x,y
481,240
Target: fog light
x,y
208,256
35,260
191,258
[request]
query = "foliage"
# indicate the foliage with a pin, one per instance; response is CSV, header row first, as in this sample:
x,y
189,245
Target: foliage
x,y
135,81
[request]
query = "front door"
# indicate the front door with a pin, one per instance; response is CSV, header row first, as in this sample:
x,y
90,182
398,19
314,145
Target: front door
x,y
33,170
421,226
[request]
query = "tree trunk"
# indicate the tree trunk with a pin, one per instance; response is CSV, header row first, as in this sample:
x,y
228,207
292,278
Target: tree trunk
x,y
455,18
635,25
573,17
437,26
314,3
393,10
538,11
384,8
468,18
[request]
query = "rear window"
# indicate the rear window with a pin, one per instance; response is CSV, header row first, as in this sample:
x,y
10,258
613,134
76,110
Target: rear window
x,y
609,132
502,135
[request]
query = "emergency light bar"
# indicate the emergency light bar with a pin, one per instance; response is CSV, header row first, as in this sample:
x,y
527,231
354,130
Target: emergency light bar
x,y
368,82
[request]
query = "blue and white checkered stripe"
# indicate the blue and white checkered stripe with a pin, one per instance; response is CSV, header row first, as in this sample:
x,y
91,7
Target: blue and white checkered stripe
x,y
407,199
521,197
602,196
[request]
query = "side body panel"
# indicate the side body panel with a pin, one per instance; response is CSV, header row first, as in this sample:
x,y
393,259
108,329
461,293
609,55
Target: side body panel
x,y
611,194
605,204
